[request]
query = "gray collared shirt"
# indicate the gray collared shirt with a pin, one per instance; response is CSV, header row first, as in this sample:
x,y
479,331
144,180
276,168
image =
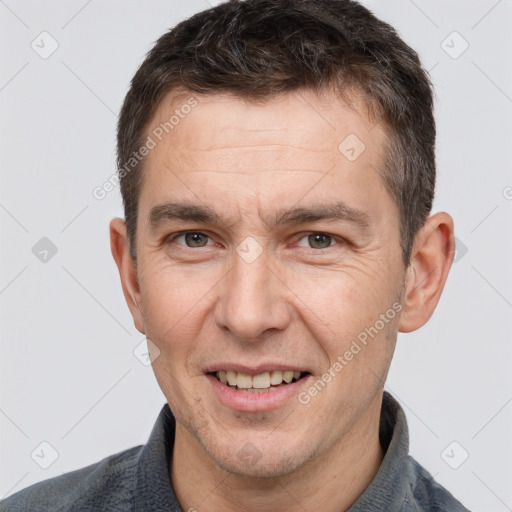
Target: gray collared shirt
x,y
138,479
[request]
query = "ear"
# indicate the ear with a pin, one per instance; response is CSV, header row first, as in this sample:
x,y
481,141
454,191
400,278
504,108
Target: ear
x,y
120,248
431,260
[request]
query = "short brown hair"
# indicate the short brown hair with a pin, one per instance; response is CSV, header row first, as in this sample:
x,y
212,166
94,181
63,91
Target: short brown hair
x,y
258,49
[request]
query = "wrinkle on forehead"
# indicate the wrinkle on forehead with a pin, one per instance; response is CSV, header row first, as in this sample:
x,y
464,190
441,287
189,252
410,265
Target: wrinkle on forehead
x,y
294,115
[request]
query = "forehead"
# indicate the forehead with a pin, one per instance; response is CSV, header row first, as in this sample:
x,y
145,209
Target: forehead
x,y
313,120
226,151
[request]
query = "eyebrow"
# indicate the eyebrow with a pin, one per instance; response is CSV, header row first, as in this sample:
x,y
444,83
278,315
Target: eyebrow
x,y
186,211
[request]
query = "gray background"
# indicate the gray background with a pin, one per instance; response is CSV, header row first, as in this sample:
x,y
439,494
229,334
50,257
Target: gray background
x,y
69,376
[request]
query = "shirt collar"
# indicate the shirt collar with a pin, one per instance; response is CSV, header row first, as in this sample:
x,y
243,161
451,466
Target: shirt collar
x,y
153,489
391,484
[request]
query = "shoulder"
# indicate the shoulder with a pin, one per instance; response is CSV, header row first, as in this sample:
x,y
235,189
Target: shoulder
x,y
105,485
429,495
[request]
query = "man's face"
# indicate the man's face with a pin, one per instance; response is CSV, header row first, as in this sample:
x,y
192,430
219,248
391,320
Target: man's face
x,y
259,289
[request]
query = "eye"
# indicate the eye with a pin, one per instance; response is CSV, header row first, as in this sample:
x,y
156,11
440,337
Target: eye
x,y
318,241
192,238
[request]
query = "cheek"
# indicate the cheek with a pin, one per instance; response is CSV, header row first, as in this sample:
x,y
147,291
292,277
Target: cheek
x,y
174,306
174,301
342,309
343,299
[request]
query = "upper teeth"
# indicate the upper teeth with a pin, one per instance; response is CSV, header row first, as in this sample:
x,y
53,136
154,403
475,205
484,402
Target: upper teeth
x,y
260,381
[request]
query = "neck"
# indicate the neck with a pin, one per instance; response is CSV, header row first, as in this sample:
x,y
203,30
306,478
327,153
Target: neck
x,y
331,482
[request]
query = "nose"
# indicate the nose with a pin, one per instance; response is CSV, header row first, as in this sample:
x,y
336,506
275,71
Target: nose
x,y
252,301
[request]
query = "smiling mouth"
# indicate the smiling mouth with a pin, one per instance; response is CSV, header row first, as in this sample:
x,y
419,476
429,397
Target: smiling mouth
x,y
261,383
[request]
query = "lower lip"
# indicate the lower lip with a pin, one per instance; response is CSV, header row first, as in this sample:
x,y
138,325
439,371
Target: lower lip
x,y
255,402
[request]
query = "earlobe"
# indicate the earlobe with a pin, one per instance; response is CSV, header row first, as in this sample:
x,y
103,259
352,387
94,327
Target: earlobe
x,y
431,259
127,270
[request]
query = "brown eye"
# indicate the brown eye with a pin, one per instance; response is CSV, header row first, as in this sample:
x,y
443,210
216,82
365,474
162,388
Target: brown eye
x,y
195,239
192,239
319,240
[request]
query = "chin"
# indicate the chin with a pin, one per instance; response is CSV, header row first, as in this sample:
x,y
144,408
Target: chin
x,y
269,469
260,458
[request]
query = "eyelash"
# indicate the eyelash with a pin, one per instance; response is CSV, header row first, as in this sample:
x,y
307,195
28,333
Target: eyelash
x,y
333,237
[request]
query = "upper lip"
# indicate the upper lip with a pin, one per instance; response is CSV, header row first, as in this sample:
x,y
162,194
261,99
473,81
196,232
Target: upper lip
x,y
253,369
